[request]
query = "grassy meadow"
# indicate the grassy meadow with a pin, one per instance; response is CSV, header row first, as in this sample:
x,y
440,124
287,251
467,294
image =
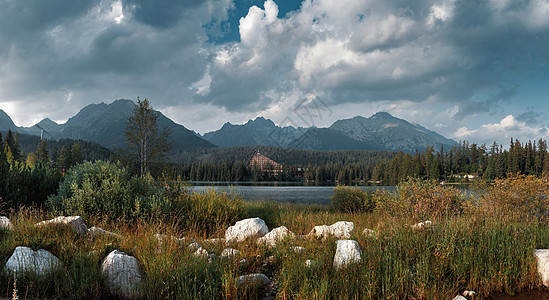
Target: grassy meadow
x,y
482,242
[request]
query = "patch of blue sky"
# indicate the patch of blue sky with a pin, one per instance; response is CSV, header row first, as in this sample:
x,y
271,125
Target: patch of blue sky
x,y
227,31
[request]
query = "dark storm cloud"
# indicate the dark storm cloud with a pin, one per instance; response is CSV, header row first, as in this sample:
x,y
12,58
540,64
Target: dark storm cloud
x,y
164,14
532,117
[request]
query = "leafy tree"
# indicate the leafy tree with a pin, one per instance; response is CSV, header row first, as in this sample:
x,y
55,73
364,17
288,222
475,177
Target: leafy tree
x,y
142,134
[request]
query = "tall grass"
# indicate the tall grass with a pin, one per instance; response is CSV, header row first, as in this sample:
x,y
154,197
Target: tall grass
x,y
468,248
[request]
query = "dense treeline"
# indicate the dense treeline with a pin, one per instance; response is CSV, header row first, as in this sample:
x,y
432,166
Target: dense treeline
x,y
28,179
530,158
456,164
90,151
281,155
231,164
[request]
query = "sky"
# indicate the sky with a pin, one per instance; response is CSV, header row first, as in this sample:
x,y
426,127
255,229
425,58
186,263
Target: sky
x,y
470,70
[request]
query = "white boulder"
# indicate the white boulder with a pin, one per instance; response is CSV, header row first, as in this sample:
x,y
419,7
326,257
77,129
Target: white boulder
x,y
230,253
340,230
5,223
96,231
257,279
542,258
276,235
347,252
247,228
24,259
75,222
459,297
122,274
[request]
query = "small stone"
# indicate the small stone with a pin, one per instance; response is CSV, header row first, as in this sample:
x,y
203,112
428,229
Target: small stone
x,y
96,231
369,232
230,253
244,229
122,274
24,259
194,246
275,236
215,241
423,225
75,222
459,297
162,237
469,293
201,252
5,224
257,279
309,263
298,249
347,252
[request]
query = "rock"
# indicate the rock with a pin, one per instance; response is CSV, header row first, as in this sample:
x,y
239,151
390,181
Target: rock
x,y
309,263
347,252
5,223
542,258
423,225
162,237
201,253
459,297
230,253
257,279
247,228
369,232
194,246
340,230
122,274
469,293
276,235
75,222
298,249
24,259
96,231
215,241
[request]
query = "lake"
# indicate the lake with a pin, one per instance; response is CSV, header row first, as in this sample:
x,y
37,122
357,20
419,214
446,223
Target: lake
x,y
278,191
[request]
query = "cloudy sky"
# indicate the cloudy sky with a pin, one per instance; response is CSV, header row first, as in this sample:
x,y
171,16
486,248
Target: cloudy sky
x,y
474,70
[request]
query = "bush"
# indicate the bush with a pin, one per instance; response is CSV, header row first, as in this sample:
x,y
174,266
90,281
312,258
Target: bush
x,y
422,199
352,199
102,187
515,196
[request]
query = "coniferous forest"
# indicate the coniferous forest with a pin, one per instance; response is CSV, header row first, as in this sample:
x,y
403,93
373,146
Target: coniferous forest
x,y
459,163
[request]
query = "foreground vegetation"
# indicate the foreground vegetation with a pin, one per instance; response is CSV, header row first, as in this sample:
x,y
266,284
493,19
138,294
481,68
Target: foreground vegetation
x,y
482,242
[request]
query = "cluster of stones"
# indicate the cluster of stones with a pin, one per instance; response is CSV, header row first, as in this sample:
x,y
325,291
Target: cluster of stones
x,y
121,271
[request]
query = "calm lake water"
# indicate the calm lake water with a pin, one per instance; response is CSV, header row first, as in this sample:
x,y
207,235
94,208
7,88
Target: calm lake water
x,y
277,191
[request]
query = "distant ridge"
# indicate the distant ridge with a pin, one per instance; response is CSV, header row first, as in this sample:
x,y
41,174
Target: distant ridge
x,y
381,131
105,124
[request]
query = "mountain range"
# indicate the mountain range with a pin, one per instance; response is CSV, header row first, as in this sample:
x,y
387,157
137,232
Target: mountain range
x,y
105,124
381,131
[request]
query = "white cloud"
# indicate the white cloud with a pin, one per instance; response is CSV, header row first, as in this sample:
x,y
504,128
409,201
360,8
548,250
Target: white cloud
x,y
501,132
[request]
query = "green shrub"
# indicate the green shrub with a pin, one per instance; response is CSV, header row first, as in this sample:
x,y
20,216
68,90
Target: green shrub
x,y
102,187
352,199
